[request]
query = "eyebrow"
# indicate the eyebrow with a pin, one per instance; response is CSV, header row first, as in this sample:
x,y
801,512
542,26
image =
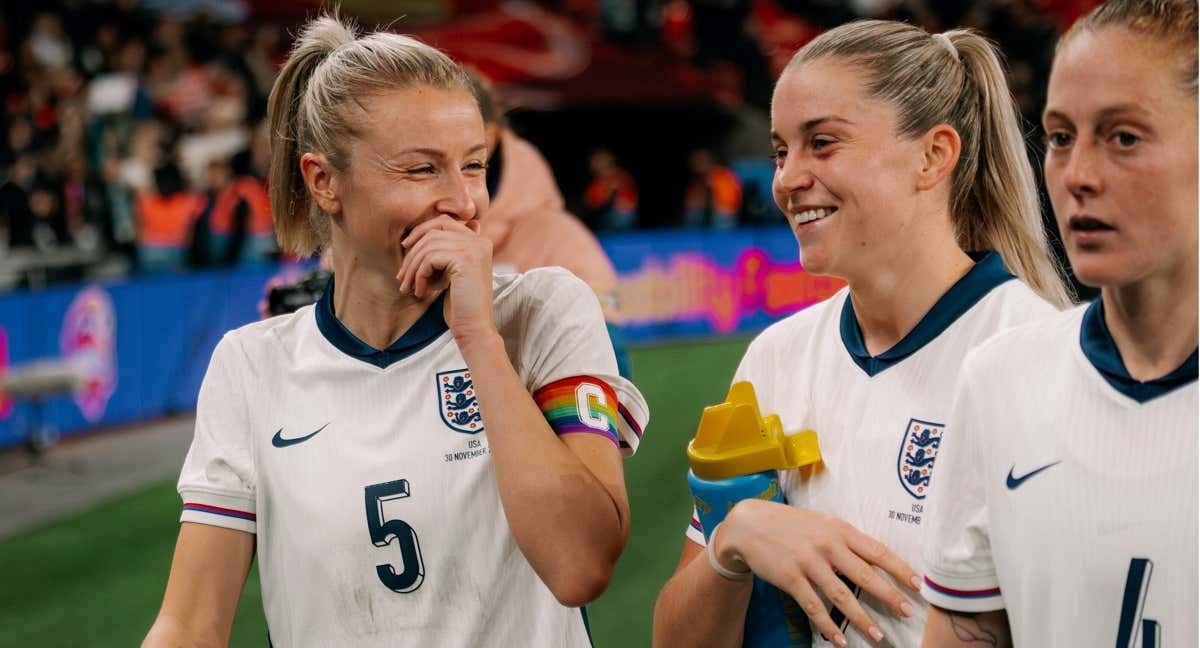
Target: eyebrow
x,y
439,153
814,123
1105,114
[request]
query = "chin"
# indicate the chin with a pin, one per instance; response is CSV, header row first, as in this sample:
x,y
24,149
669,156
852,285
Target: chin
x,y
815,261
1101,270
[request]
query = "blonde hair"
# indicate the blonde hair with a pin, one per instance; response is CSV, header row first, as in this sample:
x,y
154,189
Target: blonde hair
x,y
1171,22
957,78
329,67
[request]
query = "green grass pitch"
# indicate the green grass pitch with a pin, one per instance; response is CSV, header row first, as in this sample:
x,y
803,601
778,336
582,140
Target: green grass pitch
x,y
96,579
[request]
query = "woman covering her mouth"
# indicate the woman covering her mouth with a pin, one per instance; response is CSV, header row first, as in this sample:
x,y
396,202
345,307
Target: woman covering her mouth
x,y
901,168
432,454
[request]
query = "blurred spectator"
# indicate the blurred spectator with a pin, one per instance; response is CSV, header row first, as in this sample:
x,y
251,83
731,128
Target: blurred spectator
x,y
611,197
47,43
714,194
240,228
203,252
528,225
166,216
724,33
97,94
49,219
16,216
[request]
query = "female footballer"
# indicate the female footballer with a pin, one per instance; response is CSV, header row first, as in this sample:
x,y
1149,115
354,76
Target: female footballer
x,y
901,168
1064,506
430,455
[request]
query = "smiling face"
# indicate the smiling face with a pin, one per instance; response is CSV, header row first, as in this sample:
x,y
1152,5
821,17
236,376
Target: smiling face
x,y
419,153
844,180
1121,158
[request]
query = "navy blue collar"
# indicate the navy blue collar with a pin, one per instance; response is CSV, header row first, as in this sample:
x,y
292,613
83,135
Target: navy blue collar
x,y
428,328
1102,352
987,273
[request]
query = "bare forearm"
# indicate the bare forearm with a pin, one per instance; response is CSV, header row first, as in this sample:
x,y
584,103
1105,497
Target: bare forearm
x,y
698,607
565,521
208,572
949,629
168,632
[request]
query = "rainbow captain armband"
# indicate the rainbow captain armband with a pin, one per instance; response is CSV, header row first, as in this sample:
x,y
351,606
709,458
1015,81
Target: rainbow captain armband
x,y
580,404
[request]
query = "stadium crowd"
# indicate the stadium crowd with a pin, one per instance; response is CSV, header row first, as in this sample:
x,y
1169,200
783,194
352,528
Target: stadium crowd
x,y
134,140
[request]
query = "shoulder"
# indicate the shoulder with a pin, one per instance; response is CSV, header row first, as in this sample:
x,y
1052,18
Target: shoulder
x,y
539,285
803,324
1026,344
541,300
1017,298
256,341
1005,306
799,329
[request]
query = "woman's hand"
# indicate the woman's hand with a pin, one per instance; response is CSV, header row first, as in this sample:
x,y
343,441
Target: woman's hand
x,y
801,551
445,253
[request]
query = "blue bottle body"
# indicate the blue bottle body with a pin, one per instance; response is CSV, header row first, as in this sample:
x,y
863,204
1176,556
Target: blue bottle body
x,y
773,619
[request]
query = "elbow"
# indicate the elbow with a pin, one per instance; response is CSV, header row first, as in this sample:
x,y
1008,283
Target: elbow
x,y
581,586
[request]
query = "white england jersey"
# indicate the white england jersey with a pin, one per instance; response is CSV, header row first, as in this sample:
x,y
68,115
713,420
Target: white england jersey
x,y
366,475
1066,493
879,420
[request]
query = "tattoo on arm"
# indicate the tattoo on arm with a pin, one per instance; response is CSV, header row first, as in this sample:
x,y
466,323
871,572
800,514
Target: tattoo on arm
x,y
973,629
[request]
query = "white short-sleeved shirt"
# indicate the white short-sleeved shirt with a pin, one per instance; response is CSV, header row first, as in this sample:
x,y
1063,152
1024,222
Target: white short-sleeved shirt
x,y
878,419
366,476
1066,492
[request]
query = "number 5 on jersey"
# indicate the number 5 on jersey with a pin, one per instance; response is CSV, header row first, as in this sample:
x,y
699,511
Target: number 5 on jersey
x,y
383,531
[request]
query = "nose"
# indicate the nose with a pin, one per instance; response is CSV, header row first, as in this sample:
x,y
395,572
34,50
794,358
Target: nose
x,y
1081,176
456,200
794,176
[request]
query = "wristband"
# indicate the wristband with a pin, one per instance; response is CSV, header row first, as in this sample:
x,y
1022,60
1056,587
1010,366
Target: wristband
x,y
725,573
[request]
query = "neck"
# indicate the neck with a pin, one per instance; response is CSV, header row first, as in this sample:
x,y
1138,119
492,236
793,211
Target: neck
x,y
892,296
369,303
1153,322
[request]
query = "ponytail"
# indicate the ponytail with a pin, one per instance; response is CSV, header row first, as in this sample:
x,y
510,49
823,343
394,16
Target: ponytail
x,y
996,206
299,227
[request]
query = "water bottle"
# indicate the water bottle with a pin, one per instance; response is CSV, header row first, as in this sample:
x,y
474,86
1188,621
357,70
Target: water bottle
x,y
735,456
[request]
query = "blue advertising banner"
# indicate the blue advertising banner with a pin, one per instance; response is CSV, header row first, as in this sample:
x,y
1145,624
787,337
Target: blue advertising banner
x,y
144,344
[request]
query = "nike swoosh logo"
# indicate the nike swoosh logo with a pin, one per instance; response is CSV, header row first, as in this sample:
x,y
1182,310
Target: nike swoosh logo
x,y
279,442
1013,482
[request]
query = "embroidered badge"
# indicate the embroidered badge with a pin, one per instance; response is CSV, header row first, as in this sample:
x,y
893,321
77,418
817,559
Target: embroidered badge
x,y
457,403
918,450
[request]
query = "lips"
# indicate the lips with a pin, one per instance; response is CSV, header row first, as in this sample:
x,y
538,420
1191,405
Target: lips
x,y
1089,234
1088,224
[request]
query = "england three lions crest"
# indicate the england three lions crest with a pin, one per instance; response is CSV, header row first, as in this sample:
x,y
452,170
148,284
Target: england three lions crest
x,y
918,449
457,402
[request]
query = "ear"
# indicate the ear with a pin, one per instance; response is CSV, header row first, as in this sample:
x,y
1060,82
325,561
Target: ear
x,y
940,150
322,181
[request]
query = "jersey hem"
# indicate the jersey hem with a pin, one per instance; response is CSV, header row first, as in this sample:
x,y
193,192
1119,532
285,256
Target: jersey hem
x,y
218,520
215,509
695,534
963,594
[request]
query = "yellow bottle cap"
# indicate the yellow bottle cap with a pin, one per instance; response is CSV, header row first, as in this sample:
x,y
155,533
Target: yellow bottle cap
x,y
734,439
